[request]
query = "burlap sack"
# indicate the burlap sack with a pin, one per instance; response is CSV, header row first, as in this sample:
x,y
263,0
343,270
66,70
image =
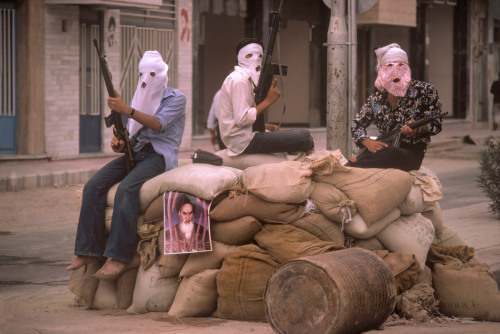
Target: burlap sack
x,y
449,237
169,264
152,293
321,227
105,296
375,192
369,244
125,288
197,262
82,284
236,232
429,183
241,283
404,267
244,161
286,242
237,205
358,228
283,182
435,215
154,211
333,203
409,234
201,180
466,290
325,162
196,295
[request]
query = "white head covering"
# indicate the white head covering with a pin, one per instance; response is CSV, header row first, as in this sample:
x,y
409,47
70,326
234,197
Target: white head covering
x,y
251,64
153,80
389,54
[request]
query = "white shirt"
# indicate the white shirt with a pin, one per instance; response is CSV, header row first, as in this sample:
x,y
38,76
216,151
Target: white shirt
x,y
237,111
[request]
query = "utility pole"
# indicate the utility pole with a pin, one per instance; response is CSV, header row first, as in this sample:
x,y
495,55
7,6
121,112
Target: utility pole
x,y
336,84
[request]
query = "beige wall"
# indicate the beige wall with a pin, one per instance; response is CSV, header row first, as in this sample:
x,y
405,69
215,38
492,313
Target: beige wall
x,y
441,53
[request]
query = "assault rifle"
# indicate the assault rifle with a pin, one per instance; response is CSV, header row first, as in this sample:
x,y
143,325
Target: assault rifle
x,y
268,69
115,119
393,137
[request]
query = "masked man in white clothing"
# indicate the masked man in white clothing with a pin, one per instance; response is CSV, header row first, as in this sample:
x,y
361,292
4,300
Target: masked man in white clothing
x,y
156,115
238,111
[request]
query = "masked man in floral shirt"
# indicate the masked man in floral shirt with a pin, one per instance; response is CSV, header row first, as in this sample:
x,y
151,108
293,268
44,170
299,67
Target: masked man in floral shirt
x,y
398,101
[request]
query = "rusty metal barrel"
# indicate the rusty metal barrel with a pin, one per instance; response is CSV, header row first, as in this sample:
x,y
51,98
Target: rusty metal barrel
x,y
345,291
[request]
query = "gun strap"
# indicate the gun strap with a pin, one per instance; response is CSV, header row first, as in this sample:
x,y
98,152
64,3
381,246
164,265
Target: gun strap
x,y
281,78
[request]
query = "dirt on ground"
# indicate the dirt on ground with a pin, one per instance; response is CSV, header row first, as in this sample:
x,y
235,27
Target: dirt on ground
x,y
37,229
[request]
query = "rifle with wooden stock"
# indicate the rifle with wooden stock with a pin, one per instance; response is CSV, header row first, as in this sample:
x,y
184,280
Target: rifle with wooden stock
x,y
268,68
392,138
115,118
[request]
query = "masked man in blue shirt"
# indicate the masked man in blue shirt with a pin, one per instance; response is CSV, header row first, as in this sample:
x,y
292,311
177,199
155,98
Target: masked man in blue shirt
x,y
157,115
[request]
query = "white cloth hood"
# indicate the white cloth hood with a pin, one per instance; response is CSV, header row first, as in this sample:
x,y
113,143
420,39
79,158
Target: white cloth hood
x,y
153,80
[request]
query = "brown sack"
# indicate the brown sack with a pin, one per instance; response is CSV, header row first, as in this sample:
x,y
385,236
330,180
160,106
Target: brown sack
x,y
358,228
404,267
82,284
125,288
169,264
105,296
235,204
435,215
283,182
333,203
196,295
286,242
236,232
241,283
375,191
199,261
321,227
467,290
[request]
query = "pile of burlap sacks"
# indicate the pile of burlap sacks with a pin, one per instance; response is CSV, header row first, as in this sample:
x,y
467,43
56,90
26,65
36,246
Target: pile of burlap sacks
x,y
268,209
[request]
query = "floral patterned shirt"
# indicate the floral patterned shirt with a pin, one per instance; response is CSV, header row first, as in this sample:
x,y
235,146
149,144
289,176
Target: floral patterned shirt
x,y
421,100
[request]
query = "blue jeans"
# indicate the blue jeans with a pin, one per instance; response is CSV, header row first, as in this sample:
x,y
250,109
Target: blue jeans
x,y
289,141
91,231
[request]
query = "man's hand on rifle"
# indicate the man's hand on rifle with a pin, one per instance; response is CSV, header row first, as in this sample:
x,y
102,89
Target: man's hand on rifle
x,y
117,145
272,95
117,104
373,145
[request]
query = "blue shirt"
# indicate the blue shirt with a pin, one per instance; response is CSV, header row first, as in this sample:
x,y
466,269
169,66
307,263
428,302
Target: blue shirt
x,y
172,116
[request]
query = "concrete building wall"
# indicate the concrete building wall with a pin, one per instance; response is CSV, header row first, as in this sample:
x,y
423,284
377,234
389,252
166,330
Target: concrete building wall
x,y
62,81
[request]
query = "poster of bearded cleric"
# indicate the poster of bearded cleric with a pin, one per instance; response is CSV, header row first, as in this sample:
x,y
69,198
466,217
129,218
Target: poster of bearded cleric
x,y
187,227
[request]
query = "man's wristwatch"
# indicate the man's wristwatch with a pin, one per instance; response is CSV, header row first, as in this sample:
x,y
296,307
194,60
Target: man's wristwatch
x,y
131,113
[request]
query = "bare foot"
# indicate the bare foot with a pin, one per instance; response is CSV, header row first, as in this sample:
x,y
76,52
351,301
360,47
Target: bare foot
x,y
111,270
80,260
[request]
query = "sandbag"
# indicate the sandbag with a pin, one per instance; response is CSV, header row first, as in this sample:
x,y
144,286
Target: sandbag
x,y
283,182
358,228
411,234
197,262
201,180
236,232
243,161
234,205
105,296
321,227
154,211
286,242
169,264
333,203
404,267
82,283
368,244
241,283
196,295
449,237
325,162
152,293
375,191
435,215
125,288
466,290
